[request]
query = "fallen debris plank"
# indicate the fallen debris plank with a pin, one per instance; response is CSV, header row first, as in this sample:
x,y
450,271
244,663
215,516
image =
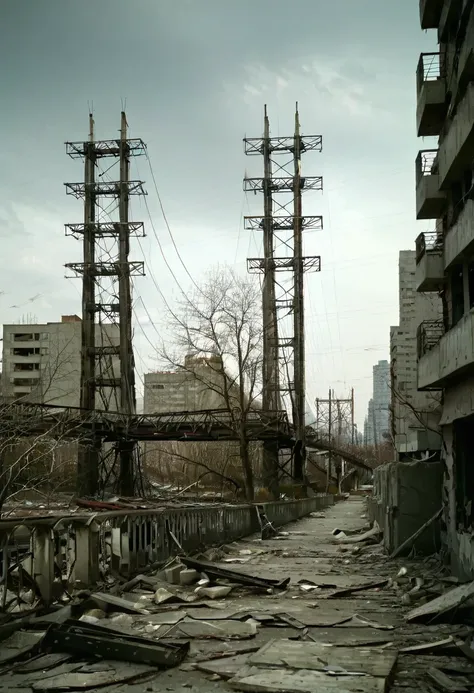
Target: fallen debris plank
x,y
444,682
358,588
370,535
428,646
304,681
365,622
411,540
448,601
312,655
216,571
77,681
109,602
87,640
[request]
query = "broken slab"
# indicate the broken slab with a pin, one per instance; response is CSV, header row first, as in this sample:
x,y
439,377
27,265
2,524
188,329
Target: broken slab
x,y
311,655
83,681
225,667
445,683
436,608
303,681
220,630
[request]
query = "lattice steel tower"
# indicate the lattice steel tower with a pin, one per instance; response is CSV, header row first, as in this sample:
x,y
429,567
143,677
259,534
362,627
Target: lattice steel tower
x,y
283,223
107,364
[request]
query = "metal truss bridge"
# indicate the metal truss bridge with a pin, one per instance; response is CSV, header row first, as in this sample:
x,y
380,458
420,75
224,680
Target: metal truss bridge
x,y
28,419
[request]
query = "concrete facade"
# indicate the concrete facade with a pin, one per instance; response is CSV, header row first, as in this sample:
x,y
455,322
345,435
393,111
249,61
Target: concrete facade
x,y
42,362
198,386
414,415
446,346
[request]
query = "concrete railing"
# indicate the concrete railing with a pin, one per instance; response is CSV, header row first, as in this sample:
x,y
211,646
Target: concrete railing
x,y
81,550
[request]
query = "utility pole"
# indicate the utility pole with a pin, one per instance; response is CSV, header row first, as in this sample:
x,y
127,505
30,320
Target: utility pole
x,y
284,225
330,440
107,363
336,414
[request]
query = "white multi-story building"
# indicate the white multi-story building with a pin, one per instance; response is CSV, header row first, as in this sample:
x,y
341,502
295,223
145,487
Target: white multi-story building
x,y
414,415
445,256
42,362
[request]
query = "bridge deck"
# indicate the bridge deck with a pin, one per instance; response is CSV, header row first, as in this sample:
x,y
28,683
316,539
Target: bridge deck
x,y
27,419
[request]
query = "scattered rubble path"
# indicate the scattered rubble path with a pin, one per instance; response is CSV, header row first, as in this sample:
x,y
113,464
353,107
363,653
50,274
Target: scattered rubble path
x,y
318,607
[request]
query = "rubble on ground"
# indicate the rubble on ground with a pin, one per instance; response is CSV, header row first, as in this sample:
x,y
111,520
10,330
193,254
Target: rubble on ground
x,y
304,613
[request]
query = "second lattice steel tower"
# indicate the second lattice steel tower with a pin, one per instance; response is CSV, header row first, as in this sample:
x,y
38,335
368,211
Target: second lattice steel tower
x,y
283,225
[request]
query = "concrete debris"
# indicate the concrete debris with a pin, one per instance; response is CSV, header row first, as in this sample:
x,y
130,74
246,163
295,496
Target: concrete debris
x,y
376,584
443,606
216,592
336,627
372,535
445,683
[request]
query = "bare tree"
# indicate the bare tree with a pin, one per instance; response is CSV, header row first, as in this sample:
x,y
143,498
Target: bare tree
x,y
217,338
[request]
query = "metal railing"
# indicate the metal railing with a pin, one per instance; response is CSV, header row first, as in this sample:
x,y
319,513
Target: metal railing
x,y
426,163
431,67
428,335
428,241
53,554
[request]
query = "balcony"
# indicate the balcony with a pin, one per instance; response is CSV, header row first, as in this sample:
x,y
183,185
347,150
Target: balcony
x,y
459,240
431,94
429,275
430,12
430,201
449,359
455,152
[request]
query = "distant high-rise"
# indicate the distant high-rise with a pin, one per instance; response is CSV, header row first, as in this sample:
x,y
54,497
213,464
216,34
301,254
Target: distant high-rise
x,y
376,428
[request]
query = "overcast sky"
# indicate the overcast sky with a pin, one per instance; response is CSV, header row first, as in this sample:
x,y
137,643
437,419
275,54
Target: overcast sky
x,y
194,76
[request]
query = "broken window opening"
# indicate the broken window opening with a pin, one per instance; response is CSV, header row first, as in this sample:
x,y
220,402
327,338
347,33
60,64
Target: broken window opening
x,y
457,294
463,445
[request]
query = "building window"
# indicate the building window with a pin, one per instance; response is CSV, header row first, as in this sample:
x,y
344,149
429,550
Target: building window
x,y
457,294
25,351
26,366
463,444
157,386
30,382
470,271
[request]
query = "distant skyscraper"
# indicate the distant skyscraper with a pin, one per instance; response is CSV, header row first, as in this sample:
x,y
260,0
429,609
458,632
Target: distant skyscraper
x,y
378,414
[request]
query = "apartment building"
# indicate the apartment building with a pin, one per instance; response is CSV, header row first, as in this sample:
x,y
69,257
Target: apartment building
x,y
445,255
414,415
195,387
42,362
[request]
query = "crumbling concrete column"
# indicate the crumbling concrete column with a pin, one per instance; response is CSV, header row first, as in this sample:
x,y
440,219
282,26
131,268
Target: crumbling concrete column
x,y
43,561
86,565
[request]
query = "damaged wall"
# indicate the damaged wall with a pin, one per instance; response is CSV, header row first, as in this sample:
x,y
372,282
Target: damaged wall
x,y
406,495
